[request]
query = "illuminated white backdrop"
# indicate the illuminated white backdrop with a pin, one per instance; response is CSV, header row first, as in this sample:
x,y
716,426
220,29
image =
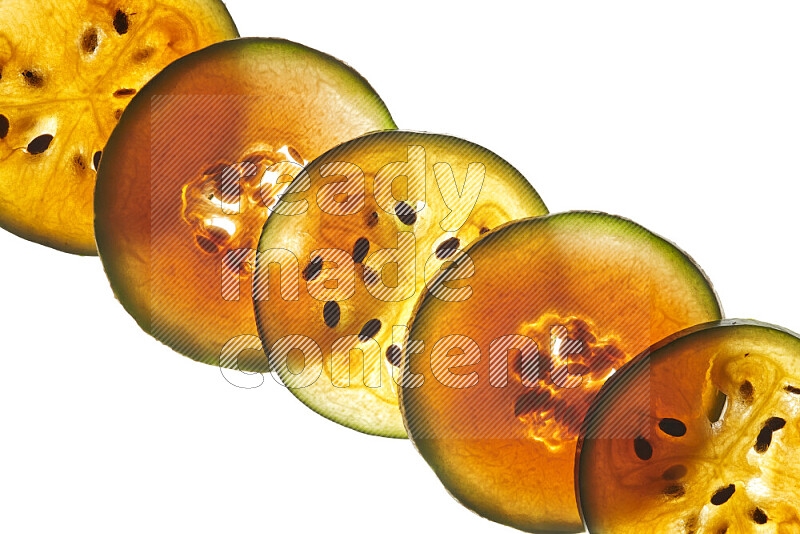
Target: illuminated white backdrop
x,y
683,116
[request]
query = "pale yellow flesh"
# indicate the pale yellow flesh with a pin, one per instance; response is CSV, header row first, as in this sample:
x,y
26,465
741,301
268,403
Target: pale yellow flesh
x,y
63,65
623,493
365,405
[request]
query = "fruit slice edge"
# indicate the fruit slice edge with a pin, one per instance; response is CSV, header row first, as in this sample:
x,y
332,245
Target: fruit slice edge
x,y
734,387
267,101
523,278
506,195
68,70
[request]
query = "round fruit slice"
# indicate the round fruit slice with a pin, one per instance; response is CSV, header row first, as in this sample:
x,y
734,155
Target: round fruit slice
x,y
698,434
495,401
190,173
68,68
362,229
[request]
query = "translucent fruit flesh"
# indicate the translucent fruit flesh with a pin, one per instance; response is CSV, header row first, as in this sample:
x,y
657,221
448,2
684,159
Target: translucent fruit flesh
x,y
699,434
559,303
190,174
387,191
67,70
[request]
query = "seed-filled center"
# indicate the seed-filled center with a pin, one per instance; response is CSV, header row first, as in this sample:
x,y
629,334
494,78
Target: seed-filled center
x,y
572,363
745,437
227,203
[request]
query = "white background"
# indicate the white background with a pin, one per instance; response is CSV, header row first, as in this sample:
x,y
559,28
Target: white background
x,y
684,116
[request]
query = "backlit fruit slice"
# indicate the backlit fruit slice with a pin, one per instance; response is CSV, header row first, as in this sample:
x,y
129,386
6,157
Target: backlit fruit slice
x,y
67,70
191,170
558,303
382,213
698,434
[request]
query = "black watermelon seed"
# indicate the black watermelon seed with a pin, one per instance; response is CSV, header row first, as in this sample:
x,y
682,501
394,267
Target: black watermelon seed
x,y
764,440
313,269
722,495
672,427
793,389
89,41
360,249
40,144
331,314
96,159
676,472
370,328
406,215
483,230
447,248
121,22
746,391
775,423
372,219
118,114
124,92
394,355
759,516
723,529
34,79
675,491
642,448
370,276
3,126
